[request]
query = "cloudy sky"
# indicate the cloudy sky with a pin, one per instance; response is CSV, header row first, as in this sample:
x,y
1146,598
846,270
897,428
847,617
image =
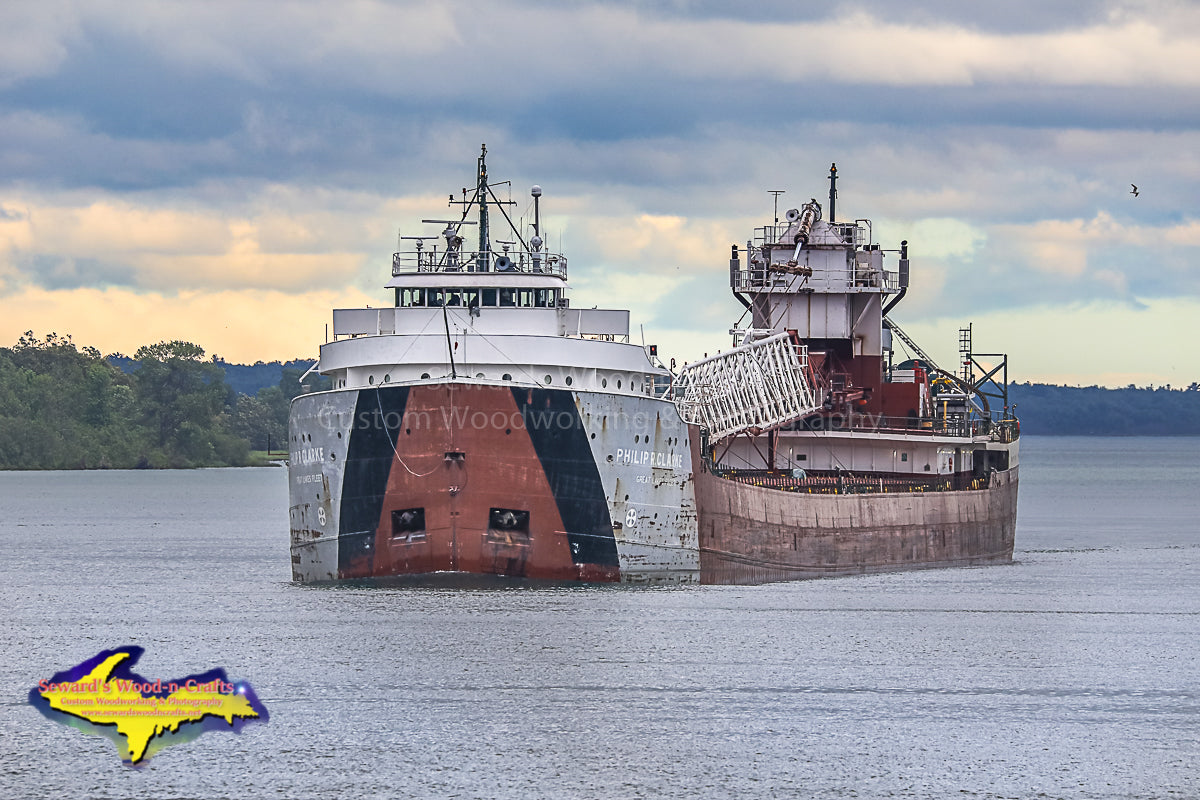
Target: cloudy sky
x,y
227,172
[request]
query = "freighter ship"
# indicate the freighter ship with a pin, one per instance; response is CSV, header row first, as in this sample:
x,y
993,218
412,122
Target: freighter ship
x,y
481,426
816,453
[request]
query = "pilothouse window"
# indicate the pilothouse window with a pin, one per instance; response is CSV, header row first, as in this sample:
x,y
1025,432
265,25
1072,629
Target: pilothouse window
x,y
455,298
409,298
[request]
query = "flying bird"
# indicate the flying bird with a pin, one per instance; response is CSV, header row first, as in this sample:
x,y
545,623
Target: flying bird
x,y
1134,192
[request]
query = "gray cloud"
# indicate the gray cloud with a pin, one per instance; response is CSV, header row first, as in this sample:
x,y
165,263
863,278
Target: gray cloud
x,y
50,271
614,109
1019,16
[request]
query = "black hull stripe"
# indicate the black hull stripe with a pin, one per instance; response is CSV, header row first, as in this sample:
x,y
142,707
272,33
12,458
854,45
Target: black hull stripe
x,y
553,424
368,465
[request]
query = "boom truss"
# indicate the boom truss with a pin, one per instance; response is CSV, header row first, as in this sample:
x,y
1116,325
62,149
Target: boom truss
x,y
753,387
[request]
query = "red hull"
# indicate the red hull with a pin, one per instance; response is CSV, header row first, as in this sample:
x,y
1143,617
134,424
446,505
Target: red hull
x,y
464,458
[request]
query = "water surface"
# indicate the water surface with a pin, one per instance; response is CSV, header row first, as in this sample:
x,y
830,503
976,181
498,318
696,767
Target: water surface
x,y
1072,674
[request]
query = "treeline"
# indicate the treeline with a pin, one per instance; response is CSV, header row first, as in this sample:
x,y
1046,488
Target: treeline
x,y
244,379
1096,411
66,408
62,407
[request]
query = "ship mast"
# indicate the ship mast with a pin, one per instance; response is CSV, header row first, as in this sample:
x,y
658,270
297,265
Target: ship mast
x,y
832,192
481,258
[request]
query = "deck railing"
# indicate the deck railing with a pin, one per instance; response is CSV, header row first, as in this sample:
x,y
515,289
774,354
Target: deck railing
x,y
849,483
1005,430
421,261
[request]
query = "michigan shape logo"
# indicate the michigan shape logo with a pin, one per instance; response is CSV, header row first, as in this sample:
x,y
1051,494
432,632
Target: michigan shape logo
x,y
104,696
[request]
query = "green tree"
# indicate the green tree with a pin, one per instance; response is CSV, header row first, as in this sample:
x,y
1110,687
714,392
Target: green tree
x,y
182,399
256,419
59,407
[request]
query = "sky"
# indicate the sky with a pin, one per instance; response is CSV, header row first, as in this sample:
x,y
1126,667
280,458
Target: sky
x,y
228,172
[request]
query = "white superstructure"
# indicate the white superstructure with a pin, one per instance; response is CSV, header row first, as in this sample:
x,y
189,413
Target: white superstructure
x,y
510,390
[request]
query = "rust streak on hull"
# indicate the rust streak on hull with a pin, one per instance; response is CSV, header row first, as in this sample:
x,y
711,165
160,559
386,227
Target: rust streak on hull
x,y
750,534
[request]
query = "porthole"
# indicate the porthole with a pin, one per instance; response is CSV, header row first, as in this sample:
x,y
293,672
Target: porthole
x,y
332,456
478,374
424,376
506,377
339,434
371,379
569,381
408,431
507,431
636,438
618,383
549,380
387,378
604,383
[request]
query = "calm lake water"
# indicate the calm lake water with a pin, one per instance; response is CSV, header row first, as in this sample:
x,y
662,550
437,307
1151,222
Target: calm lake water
x,y
1072,674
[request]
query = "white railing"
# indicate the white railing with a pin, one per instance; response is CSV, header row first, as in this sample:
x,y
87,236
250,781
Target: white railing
x,y
414,261
842,279
855,234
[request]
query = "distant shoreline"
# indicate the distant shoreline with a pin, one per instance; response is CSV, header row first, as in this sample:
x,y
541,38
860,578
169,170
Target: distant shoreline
x,y
170,407
1050,410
